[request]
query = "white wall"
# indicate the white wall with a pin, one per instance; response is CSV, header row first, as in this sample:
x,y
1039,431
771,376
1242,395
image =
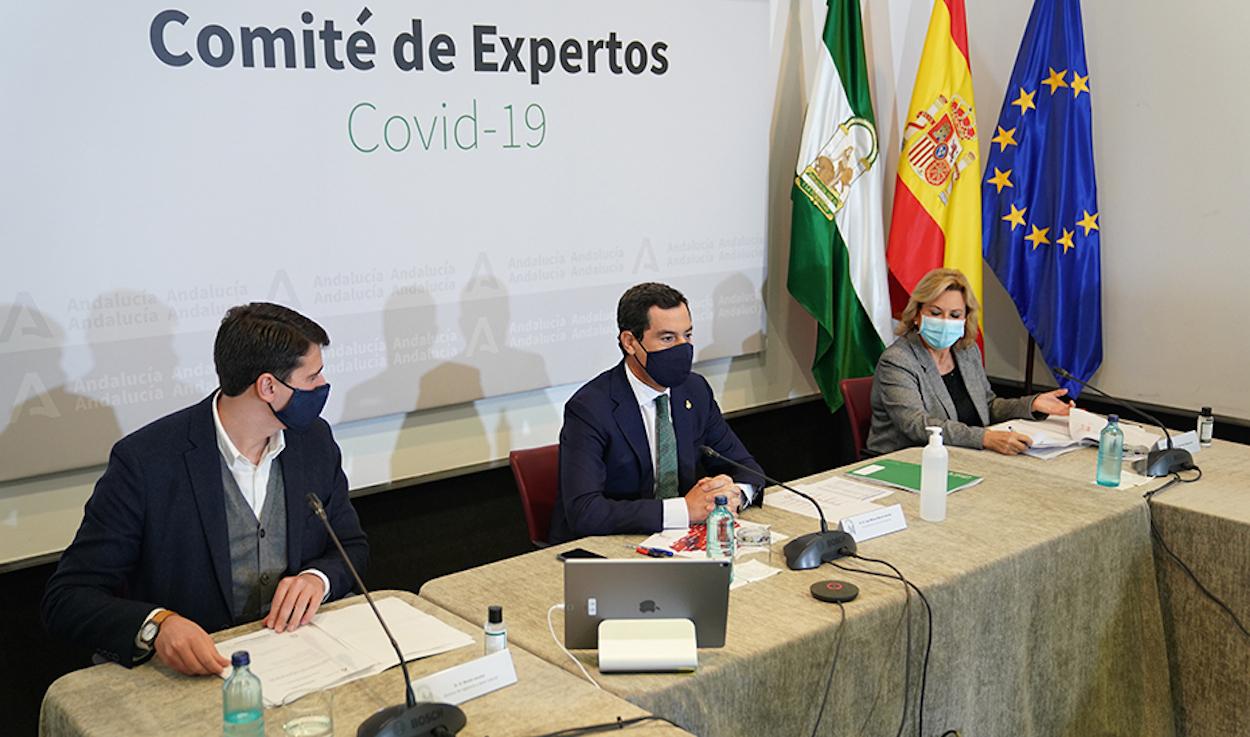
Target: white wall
x,y
1174,188
1172,181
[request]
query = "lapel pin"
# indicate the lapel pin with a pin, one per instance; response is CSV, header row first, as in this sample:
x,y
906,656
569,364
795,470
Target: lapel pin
x,y
688,404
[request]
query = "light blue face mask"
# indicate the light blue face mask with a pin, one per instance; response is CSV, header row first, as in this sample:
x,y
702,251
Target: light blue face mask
x,y
941,334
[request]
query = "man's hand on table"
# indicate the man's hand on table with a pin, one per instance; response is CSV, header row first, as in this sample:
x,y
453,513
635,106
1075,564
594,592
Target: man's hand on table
x,y
184,646
295,602
701,499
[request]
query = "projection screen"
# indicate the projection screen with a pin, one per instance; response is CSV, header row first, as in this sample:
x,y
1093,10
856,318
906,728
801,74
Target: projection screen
x,y
458,192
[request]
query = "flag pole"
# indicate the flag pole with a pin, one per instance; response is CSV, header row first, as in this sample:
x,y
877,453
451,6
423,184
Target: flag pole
x,y
1028,367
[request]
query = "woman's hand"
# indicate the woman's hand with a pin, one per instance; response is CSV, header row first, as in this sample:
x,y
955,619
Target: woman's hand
x,y
1050,403
1006,442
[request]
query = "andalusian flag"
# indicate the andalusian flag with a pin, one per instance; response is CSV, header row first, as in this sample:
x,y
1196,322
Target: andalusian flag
x,y
837,256
937,202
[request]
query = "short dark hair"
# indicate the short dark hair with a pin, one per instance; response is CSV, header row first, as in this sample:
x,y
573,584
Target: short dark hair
x,y
632,312
259,338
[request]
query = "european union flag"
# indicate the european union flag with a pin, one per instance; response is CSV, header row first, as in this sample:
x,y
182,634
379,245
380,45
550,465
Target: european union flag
x,y
1040,204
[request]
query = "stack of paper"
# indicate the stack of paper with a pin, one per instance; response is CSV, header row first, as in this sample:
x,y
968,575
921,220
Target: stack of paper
x,y
1088,426
1055,436
340,646
1051,437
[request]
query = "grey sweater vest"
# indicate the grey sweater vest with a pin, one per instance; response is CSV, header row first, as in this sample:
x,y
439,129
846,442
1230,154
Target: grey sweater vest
x,y
257,547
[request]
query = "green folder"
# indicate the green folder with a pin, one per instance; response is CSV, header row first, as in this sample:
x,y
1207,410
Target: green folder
x,y
906,476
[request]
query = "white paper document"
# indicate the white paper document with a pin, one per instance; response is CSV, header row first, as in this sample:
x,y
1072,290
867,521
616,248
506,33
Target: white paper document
x,y
1088,426
340,646
750,572
1055,436
838,497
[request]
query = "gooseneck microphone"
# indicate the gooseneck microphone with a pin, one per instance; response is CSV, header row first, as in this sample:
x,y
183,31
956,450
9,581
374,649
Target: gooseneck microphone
x,y
805,551
1158,462
409,719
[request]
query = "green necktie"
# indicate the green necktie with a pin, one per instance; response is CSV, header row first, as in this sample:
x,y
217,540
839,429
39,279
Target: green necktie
x,y
666,449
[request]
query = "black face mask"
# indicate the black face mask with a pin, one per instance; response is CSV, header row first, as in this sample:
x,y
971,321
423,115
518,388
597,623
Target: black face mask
x,y
671,366
304,408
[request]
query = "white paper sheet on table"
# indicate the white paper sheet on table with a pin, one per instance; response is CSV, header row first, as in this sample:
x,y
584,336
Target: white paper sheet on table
x,y
837,495
750,572
1128,480
838,488
340,646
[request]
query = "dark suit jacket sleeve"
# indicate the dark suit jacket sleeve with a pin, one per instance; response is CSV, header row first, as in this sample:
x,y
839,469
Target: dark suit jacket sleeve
x,y
583,480
81,604
346,524
718,436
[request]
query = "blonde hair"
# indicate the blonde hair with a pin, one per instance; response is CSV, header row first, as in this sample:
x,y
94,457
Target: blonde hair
x,y
934,285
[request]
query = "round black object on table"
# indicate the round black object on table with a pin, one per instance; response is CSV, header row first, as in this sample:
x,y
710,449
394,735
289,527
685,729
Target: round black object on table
x,y
835,591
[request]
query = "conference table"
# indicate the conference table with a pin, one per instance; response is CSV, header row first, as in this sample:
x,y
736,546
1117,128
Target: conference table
x,y
1206,524
112,701
1046,620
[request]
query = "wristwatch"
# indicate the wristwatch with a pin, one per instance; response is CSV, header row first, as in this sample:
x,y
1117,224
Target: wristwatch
x,y
152,627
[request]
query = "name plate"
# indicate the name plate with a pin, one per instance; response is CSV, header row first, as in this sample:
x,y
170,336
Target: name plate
x,y
876,523
467,681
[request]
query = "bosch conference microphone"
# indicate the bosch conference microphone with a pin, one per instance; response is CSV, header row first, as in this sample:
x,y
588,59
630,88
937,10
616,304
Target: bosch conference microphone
x,y
1158,462
410,719
805,551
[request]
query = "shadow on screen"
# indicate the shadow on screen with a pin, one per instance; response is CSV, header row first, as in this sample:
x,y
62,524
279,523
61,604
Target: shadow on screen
x,y
487,364
134,360
735,331
49,426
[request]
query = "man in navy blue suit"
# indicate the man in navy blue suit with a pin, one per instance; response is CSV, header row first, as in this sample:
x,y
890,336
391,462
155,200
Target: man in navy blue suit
x,y
200,520
629,447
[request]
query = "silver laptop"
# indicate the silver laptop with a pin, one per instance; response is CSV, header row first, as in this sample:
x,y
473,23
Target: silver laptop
x,y
595,590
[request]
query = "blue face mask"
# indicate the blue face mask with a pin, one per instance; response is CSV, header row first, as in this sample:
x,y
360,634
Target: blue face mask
x,y
304,408
941,334
671,366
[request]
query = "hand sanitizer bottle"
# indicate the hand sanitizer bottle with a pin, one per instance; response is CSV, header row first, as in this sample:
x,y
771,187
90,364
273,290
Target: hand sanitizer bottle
x,y
933,465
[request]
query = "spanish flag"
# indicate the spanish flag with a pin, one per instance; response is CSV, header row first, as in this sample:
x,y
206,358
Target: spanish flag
x,y
937,201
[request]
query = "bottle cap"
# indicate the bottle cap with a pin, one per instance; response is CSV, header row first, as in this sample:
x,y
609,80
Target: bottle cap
x,y
722,499
1206,411
1113,418
494,614
240,659
935,434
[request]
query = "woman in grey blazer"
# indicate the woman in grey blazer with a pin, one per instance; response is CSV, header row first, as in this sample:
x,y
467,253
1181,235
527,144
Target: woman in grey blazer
x,y
933,376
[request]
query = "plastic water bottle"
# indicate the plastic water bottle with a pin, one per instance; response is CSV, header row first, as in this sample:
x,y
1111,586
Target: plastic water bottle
x,y
1110,453
933,466
242,710
496,632
720,533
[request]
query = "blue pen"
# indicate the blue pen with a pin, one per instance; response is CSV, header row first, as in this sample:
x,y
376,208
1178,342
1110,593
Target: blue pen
x,y
655,552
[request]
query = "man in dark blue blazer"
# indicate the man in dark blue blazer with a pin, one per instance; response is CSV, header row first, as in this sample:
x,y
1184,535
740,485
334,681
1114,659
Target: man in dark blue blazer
x,y
200,520
629,447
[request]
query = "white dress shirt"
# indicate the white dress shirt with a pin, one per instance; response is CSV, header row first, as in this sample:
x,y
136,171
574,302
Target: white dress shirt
x,y
676,514
252,478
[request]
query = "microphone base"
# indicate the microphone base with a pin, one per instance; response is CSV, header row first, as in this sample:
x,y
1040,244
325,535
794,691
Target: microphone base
x,y
817,548
420,720
1168,461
